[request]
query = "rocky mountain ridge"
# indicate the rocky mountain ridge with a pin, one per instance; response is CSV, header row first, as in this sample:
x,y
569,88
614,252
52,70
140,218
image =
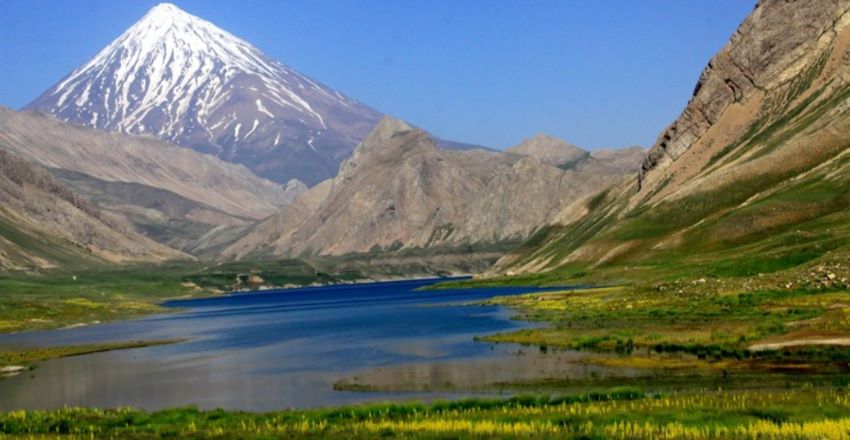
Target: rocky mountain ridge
x,y
211,193
400,191
770,60
549,150
45,225
753,173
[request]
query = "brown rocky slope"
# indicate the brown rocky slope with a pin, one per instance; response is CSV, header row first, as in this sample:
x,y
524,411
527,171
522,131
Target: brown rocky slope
x,y
399,191
45,225
172,194
750,178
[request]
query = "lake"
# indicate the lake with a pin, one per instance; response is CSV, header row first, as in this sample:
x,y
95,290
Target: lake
x,y
279,349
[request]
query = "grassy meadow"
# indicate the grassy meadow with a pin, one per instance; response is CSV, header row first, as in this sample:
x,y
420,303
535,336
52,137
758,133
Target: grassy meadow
x,y
732,339
29,358
734,327
618,414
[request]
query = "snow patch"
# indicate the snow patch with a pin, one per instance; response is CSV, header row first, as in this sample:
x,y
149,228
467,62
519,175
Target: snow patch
x,y
262,109
253,128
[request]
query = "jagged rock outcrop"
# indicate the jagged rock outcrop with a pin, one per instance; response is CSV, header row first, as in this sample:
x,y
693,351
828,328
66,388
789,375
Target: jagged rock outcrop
x,y
757,160
776,45
400,191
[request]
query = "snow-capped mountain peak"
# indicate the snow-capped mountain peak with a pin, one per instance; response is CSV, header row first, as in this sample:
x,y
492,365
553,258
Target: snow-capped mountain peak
x,y
181,78
168,31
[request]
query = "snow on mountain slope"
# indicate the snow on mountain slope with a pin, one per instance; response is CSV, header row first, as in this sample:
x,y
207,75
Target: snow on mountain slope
x,y
184,80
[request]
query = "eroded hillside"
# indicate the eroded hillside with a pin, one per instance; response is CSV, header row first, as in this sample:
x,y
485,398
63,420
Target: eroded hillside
x,y
752,177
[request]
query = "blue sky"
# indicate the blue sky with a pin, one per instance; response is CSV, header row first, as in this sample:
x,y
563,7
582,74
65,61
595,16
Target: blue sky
x,y
598,73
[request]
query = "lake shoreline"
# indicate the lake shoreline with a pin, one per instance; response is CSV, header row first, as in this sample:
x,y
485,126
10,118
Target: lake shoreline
x,y
146,307
597,405
18,361
268,339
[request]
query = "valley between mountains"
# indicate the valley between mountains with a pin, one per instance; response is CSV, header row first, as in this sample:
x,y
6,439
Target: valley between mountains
x,y
181,161
153,135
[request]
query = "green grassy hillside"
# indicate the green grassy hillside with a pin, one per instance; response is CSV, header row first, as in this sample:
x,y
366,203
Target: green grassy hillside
x,y
760,191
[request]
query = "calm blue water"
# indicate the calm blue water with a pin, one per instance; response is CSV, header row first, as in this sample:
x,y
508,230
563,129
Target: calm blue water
x,y
264,351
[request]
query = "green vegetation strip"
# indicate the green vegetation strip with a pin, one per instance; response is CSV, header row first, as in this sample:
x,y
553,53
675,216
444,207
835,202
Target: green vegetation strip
x,y
29,357
93,294
699,319
63,297
798,414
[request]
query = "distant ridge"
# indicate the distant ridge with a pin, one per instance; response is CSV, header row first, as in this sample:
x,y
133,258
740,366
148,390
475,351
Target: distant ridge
x,y
173,194
44,225
400,191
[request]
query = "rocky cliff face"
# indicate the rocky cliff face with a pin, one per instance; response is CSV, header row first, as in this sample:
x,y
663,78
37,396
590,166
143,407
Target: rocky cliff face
x,y
775,51
400,191
756,159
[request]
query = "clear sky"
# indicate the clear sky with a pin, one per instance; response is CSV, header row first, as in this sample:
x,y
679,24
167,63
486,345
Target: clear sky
x,y
598,73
